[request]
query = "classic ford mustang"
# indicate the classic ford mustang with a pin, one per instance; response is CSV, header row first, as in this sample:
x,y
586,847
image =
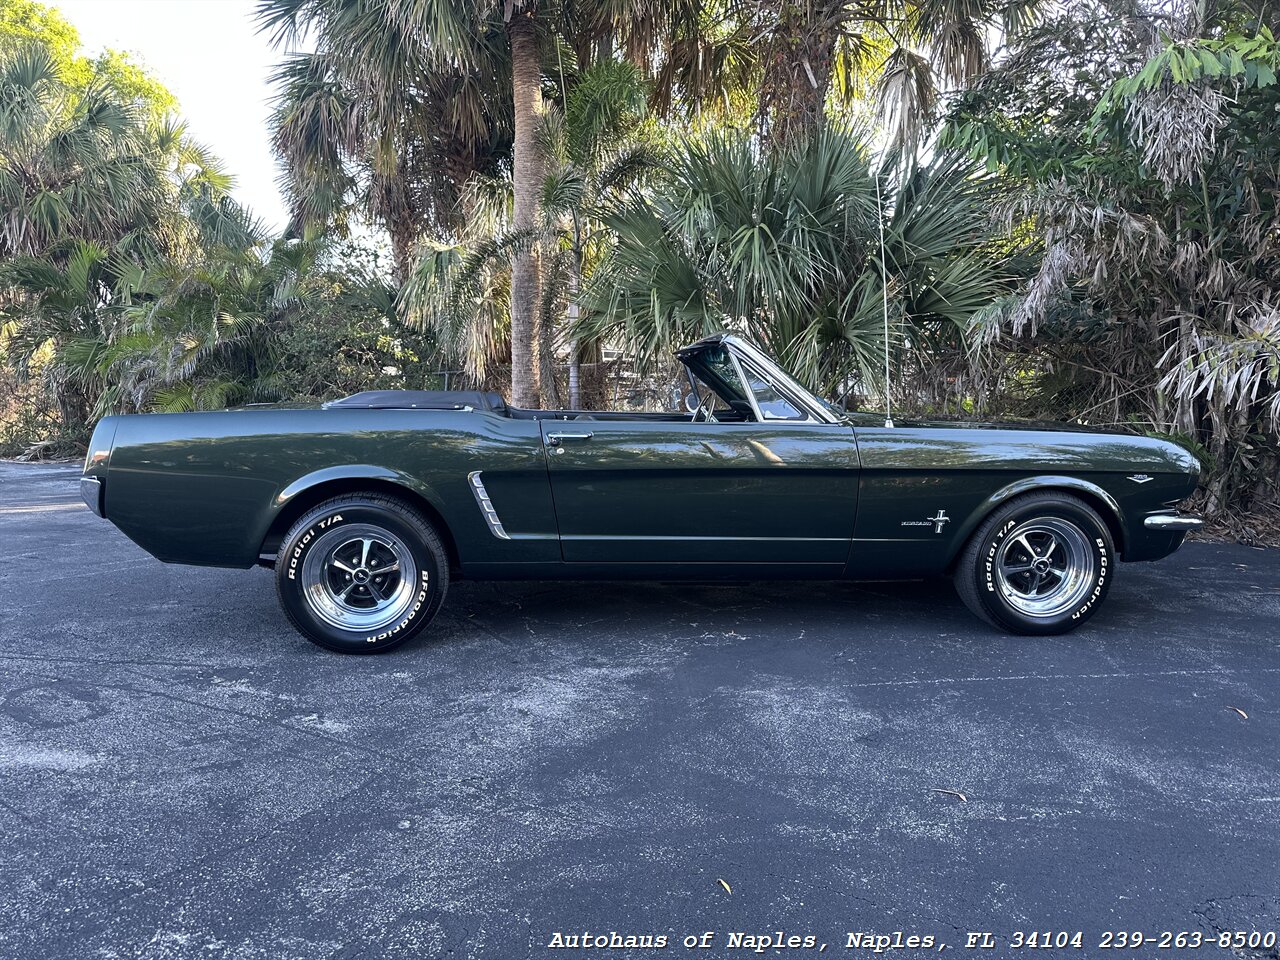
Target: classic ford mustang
x,y
367,506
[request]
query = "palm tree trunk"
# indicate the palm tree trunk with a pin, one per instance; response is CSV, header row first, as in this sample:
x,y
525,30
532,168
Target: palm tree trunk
x,y
526,180
797,69
575,289
402,238
575,365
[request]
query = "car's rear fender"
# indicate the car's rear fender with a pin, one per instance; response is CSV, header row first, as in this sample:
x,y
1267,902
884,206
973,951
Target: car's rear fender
x,y
319,485
314,488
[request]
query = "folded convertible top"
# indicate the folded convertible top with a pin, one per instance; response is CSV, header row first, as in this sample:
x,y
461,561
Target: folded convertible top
x,y
422,400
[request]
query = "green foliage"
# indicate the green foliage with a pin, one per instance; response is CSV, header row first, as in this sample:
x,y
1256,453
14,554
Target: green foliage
x,y
784,246
1028,118
345,342
598,148
1149,167
133,83
25,24
347,335
1252,60
107,206
388,116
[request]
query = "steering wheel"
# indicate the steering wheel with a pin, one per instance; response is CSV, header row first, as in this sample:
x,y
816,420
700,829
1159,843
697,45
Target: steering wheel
x,y
704,408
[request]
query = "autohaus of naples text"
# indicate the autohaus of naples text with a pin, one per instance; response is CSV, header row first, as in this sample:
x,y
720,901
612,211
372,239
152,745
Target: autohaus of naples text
x,y
762,942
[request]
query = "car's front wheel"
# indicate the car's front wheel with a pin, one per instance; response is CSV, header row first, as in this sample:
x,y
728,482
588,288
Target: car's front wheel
x,y
1040,564
361,573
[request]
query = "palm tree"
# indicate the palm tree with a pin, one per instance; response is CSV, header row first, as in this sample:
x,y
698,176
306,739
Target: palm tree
x,y
203,335
64,305
397,92
595,151
369,95
72,163
782,245
527,173
593,29
908,50
92,186
385,116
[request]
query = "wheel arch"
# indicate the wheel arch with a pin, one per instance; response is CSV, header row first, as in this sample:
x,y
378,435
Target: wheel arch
x,y
315,488
1103,502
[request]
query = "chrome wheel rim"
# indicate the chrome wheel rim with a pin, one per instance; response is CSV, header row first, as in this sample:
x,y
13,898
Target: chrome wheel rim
x,y
1045,567
359,577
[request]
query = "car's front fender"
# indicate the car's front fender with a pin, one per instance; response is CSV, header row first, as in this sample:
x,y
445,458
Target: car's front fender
x,y
1089,491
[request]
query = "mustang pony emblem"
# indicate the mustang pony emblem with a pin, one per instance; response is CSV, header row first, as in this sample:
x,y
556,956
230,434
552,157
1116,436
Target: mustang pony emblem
x,y
937,522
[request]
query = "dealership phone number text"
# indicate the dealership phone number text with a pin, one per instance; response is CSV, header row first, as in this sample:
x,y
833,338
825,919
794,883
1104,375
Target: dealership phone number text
x,y
1132,940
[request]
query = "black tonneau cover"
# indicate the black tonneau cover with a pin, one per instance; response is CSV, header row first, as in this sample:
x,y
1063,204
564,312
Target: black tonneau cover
x,y
422,400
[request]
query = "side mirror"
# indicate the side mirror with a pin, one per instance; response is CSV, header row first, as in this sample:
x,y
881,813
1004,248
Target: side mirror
x,y
691,402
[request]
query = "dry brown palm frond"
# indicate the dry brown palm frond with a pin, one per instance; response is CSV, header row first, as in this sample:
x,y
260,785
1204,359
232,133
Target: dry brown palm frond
x,y
908,97
1057,271
1177,125
1230,372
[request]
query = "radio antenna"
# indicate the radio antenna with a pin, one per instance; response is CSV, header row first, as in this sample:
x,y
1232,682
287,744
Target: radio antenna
x,y
884,292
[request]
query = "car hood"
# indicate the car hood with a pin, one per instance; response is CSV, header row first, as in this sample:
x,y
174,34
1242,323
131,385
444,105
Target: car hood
x,y
1045,426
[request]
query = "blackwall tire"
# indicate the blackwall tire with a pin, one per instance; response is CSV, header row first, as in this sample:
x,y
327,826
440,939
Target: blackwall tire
x,y
361,573
1041,564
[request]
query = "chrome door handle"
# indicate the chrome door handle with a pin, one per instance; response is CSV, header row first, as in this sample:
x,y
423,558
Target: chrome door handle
x,y
557,438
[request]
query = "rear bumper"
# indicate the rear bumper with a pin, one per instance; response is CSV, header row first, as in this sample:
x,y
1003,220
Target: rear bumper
x,y
1169,522
91,494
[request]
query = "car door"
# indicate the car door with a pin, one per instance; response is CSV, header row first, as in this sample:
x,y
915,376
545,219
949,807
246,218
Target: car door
x,y
645,491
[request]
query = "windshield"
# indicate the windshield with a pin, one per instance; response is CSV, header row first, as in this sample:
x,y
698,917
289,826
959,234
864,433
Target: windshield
x,y
714,367
771,404
767,393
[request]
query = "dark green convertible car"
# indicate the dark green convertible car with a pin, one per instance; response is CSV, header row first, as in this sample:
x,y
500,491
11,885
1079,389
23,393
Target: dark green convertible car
x,y
368,506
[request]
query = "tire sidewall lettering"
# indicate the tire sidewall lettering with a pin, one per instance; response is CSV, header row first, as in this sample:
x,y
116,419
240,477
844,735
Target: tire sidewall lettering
x,y
300,549
1104,568
989,558
419,602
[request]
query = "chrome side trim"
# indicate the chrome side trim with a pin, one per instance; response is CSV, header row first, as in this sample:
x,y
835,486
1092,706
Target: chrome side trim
x,y
91,494
1167,521
486,506
630,538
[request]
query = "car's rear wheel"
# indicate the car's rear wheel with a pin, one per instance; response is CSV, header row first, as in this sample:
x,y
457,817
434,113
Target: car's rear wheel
x,y
1040,564
361,573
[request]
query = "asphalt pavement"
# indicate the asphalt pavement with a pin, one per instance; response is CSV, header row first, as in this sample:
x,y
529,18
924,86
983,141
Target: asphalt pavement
x,y
183,776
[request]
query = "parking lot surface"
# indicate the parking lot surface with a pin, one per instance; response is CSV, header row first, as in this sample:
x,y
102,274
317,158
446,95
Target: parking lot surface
x,y
182,775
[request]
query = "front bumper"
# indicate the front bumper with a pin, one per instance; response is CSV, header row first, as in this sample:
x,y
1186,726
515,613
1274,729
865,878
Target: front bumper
x,y
1171,522
91,494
